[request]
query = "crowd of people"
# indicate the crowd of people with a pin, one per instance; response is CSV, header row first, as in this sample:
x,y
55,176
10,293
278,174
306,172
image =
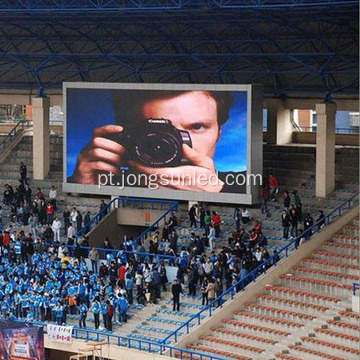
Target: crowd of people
x,y
43,278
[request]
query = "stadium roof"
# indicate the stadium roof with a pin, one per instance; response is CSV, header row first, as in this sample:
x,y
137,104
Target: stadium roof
x,y
291,47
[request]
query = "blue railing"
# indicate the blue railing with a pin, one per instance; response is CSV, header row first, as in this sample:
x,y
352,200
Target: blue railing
x,y
133,343
355,287
145,255
124,202
16,130
260,269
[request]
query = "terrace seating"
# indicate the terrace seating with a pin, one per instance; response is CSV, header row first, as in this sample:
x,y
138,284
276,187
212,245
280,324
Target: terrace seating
x,y
305,306
222,332
253,328
314,353
286,357
325,345
225,354
332,335
228,345
323,273
304,303
242,316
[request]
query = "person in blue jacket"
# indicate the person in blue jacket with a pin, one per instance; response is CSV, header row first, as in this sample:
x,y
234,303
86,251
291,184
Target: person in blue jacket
x,y
59,313
96,308
83,309
123,307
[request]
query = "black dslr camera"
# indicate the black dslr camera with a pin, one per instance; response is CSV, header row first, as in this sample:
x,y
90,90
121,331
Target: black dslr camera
x,y
155,142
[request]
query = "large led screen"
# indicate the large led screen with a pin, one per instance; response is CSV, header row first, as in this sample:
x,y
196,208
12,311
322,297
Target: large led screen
x,y
185,142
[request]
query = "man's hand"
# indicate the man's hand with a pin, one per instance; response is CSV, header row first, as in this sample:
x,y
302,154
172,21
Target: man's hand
x,y
100,156
201,176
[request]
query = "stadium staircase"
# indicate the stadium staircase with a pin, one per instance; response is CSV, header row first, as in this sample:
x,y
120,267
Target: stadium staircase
x,y
305,316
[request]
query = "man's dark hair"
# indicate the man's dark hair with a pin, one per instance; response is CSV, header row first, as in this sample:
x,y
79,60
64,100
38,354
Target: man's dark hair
x,y
128,104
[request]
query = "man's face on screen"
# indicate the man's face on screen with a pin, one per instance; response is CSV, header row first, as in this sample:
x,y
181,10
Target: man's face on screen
x,y
195,112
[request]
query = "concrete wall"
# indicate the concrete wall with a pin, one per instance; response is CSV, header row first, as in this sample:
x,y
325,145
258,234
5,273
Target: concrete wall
x,y
340,139
272,277
123,221
107,228
141,217
112,352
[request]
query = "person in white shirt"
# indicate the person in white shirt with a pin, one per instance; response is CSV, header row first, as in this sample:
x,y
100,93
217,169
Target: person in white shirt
x,y
258,254
71,232
52,196
73,216
56,226
245,216
62,251
211,237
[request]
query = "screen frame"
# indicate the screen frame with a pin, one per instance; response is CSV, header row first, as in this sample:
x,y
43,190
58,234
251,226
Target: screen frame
x,y
254,145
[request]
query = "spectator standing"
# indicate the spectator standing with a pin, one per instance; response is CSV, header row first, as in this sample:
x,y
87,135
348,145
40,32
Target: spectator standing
x,y
123,307
79,221
211,237
56,226
202,217
211,291
204,291
87,219
192,215
176,290
308,223
207,221
49,213
216,221
66,217
298,205
237,217
83,309
23,173
294,222
264,197
163,277
73,216
273,187
94,258
110,314
286,201
71,232
285,222
245,216
103,205
52,196
96,308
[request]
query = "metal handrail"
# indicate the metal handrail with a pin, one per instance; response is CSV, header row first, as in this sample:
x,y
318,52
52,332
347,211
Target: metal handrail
x,y
260,269
13,133
128,252
355,287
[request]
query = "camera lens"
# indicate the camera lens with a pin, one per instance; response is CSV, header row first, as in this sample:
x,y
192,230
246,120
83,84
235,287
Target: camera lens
x,y
158,149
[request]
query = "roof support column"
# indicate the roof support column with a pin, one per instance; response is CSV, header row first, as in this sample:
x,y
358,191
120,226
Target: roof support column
x,y
279,127
325,149
41,137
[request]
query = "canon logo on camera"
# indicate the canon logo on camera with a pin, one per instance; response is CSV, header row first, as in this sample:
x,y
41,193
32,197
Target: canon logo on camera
x,y
157,121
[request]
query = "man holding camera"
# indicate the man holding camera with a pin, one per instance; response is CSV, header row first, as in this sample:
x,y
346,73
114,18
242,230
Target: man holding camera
x,y
197,117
